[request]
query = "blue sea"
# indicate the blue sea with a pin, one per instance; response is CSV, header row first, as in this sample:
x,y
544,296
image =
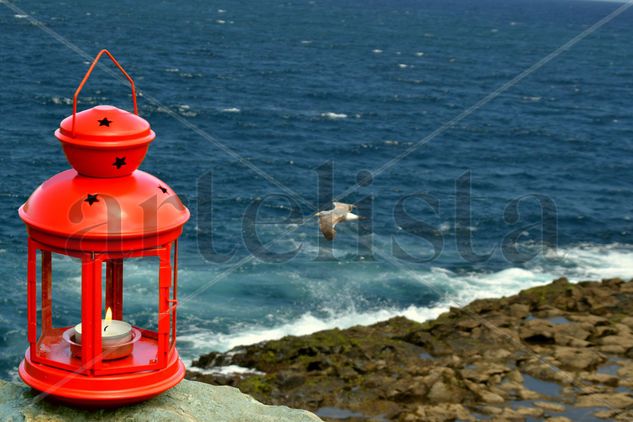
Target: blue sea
x,y
266,110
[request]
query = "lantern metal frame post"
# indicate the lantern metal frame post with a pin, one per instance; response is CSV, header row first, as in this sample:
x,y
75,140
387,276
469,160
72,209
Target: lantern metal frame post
x,y
90,312
164,285
31,298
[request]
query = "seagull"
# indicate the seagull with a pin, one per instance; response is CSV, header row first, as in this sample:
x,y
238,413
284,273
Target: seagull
x,y
330,218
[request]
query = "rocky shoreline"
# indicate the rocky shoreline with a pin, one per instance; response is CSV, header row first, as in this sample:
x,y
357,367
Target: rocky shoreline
x,y
559,352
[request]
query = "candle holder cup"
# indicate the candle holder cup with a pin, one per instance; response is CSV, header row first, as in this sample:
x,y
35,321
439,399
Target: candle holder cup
x,y
112,348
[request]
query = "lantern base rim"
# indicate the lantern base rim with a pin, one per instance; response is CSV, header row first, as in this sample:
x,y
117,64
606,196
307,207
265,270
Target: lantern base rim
x,y
101,391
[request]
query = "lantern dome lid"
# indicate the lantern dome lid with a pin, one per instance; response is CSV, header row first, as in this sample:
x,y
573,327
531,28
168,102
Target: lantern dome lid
x,y
105,141
69,205
105,126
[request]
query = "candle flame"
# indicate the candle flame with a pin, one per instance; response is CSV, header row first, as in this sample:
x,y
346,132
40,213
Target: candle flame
x,y
108,317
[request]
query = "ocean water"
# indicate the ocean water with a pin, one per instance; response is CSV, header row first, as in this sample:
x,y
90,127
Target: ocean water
x,y
264,104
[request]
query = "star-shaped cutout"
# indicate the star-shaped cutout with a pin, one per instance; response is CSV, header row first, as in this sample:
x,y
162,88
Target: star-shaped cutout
x,y
164,190
104,122
119,162
91,199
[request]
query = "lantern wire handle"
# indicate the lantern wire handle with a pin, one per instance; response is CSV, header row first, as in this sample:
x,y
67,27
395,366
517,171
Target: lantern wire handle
x,y
83,82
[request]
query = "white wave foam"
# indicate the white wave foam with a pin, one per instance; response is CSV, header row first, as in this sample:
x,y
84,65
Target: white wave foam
x,y
376,51
185,110
203,341
592,262
61,100
334,116
224,370
231,110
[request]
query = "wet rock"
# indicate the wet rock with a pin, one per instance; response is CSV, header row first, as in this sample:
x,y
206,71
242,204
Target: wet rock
x,y
408,391
611,400
628,321
606,414
593,320
552,407
289,380
519,310
612,349
491,410
483,393
508,414
592,389
597,378
481,373
526,394
625,416
573,334
530,411
578,359
547,311
547,370
604,331
440,412
600,302
442,392
515,376
617,344
468,324
211,360
495,355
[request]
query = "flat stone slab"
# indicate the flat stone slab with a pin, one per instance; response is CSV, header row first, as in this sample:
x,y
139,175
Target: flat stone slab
x,y
189,401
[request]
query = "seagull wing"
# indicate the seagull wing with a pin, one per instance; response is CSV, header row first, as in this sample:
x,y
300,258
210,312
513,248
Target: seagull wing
x,y
327,228
342,206
328,222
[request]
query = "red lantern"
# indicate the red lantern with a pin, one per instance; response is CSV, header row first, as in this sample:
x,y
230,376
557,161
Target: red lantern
x,y
102,212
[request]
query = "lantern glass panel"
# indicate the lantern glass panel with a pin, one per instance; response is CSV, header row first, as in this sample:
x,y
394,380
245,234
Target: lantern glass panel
x,y
66,291
140,291
130,290
58,307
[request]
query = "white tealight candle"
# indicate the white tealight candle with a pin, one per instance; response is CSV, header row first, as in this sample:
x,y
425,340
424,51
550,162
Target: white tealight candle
x,y
113,332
